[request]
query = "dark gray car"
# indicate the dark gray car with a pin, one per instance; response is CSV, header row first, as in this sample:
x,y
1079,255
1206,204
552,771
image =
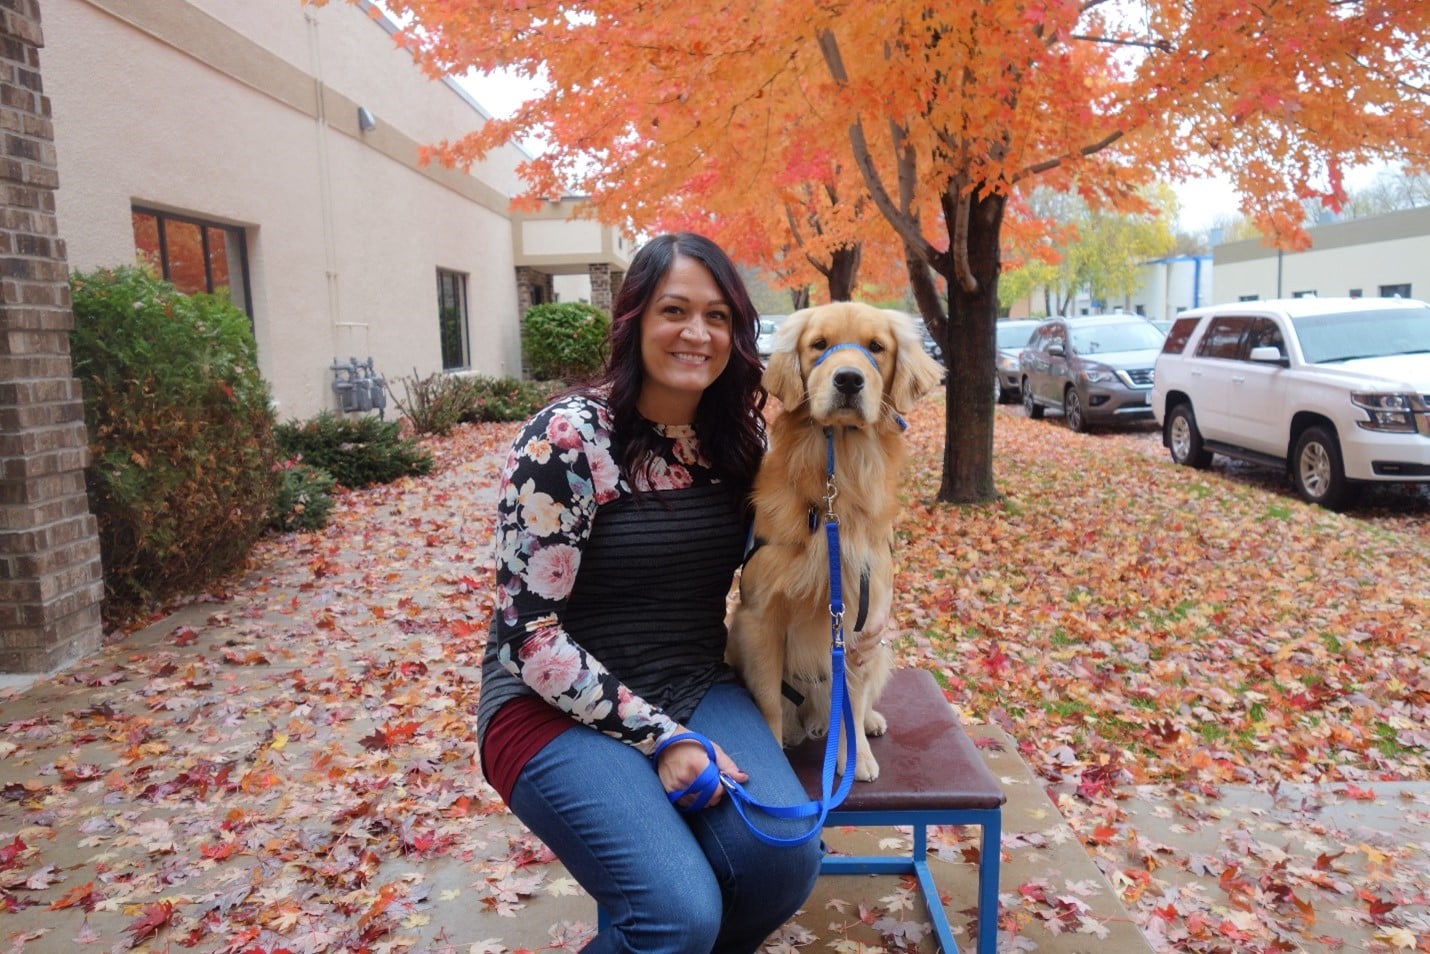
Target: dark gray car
x,y
1095,369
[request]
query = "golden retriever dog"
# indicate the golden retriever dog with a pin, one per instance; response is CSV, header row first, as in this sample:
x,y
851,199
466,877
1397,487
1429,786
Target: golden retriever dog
x,y
853,369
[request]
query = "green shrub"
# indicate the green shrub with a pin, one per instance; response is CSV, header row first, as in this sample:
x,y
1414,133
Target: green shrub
x,y
356,451
181,434
564,340
507,399
304,499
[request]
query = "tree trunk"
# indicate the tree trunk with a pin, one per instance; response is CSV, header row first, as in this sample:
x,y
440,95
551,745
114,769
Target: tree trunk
x,y
843,272
969,353
799,298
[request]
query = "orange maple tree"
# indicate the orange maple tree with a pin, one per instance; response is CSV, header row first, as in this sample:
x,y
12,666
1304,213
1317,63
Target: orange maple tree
x,y
945,111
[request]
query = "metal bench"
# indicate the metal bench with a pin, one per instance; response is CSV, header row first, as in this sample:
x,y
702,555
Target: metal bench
x,y
930,773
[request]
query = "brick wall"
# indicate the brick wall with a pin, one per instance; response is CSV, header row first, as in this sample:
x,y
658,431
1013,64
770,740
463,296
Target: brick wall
x,y
50,578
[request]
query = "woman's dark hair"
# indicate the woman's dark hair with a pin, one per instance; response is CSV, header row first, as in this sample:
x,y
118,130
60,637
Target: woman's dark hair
x,y
729,418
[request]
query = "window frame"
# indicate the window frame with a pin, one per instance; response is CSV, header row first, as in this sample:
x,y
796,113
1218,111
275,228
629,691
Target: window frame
x,y
464,338
235,236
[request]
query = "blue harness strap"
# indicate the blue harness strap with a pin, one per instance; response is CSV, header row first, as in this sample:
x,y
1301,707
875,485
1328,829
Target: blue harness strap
x,y
847,346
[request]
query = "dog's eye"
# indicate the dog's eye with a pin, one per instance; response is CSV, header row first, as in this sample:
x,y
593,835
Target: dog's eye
x,y
819,344
875,347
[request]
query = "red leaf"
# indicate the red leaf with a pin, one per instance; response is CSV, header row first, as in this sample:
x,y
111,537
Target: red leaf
x,y
155,916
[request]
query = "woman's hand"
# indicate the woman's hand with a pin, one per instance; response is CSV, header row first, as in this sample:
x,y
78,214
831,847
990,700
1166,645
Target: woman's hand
x,y
682,762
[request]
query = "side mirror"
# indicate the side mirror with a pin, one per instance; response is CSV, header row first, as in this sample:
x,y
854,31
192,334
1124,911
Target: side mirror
x,y
1269,354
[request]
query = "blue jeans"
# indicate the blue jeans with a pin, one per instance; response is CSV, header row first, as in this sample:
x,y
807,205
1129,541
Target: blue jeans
x,y
692,884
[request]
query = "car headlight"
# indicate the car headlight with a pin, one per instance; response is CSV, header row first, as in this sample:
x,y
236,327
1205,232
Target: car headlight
x,y
1388,411
1098,373
1007,363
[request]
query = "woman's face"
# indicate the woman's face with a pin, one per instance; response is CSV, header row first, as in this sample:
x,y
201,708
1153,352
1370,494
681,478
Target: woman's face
x,y
685,342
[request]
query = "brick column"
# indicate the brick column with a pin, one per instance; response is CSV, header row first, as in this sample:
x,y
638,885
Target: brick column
x,y
51,583
602,292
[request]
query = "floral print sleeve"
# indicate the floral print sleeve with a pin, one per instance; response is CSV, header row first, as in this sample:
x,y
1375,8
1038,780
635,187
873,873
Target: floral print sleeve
x,y
559,471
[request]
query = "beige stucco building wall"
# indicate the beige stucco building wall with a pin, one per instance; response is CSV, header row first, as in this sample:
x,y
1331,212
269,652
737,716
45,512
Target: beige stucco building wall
x,y
1360,256
245,113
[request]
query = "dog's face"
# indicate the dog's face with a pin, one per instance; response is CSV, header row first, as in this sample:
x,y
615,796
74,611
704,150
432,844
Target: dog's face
x,y
851,364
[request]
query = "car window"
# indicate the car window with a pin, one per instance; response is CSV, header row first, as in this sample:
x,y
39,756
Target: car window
x,y
1109,338
1223,337
1180,334
1013,336
1341,336
1264,334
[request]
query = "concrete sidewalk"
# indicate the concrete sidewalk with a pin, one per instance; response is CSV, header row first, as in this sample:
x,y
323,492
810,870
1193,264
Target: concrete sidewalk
x,y
179,776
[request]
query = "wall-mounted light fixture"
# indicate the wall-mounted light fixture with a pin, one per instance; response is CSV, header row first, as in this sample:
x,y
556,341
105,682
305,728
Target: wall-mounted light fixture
x,y
365,120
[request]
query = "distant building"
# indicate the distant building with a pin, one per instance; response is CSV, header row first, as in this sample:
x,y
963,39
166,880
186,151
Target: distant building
x,y
1382,255
1170,286
271,149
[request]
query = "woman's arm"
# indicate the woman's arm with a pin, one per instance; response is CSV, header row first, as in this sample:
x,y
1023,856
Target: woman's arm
x,y
559,470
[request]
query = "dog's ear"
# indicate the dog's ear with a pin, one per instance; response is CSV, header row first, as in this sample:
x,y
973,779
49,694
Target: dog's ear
x,y
916,374
782,374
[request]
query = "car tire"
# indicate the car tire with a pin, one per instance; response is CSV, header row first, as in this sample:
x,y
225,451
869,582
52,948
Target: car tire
x,y
1073,413
1033,409
1184,440
997,390
1317,470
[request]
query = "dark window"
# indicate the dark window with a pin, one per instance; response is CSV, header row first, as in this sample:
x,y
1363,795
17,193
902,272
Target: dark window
x,y
1356,293
1179,335
1223,338
1264,334
194,255
1304,294
1395,291
1248,298
452,319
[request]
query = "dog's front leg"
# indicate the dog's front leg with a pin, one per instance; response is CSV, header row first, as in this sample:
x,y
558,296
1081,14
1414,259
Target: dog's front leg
x,y
758,653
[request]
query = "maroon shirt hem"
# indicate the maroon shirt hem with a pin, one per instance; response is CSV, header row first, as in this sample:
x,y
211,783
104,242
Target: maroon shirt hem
x,y
518,730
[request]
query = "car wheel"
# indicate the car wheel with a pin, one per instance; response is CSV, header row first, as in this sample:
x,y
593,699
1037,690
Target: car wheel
x,y
1073,413
1032,407
1184,440
997,390
1317,469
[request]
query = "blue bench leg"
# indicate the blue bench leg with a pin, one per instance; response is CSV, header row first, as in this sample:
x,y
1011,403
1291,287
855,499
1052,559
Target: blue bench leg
x,y
989,856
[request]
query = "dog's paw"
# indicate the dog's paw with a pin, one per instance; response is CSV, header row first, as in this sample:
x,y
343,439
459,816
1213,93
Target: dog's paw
x,y
817,731
794,733
867,768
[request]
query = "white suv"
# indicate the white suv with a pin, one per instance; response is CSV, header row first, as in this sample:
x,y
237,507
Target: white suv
x,y
1336,391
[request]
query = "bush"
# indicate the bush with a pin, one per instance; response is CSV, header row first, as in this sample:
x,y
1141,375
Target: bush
x,y
507,399
356,451
304,500
564,340
181,434
440,401
434,404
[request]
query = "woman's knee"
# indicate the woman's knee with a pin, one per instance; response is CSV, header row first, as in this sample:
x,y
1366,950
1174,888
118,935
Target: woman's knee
x,y
674,919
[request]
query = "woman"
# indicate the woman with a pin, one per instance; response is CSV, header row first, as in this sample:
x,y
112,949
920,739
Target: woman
x,y
621,522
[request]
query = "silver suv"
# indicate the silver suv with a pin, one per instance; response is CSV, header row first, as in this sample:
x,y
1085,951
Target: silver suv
x,y
1335,391
1095,369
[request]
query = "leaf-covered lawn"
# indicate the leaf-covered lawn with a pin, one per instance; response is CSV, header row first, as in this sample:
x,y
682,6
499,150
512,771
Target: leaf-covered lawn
x,y
290,764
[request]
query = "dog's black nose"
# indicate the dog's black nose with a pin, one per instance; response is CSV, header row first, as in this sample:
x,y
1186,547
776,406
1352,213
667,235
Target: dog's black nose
x,y
848,381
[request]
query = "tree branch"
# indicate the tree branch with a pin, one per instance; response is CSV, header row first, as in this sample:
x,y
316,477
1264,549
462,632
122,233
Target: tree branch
x,y
905,225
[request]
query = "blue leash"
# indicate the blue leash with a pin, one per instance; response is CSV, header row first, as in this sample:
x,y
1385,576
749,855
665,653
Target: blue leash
x,y
705,785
